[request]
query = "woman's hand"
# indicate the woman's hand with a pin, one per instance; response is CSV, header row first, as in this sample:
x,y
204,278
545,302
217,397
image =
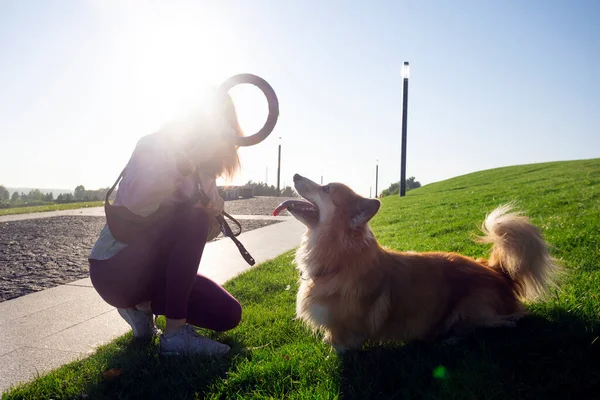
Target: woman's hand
x,y
216,206
214,229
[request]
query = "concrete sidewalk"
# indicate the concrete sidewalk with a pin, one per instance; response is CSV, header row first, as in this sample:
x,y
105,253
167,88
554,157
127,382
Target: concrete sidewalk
x,y
44,330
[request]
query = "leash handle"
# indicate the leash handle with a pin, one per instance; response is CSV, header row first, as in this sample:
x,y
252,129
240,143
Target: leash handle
x,y
227,232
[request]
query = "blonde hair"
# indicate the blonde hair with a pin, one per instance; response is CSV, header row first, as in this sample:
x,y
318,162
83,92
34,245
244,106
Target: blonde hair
x,y
229,159
225,161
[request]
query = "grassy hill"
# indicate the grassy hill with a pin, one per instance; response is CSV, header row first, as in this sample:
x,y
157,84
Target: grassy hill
x,y
562,198
553,354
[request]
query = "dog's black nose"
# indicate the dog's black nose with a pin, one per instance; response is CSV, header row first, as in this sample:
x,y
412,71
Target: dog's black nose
x,y
297,177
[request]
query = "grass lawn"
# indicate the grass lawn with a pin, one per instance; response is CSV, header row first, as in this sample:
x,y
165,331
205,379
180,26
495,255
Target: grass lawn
x,y
553,354
49,207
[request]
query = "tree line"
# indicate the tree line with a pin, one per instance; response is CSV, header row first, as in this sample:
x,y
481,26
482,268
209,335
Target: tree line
x,y
262,189
35,197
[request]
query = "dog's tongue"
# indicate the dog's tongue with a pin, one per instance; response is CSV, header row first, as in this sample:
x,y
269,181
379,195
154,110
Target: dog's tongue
x,y
291,203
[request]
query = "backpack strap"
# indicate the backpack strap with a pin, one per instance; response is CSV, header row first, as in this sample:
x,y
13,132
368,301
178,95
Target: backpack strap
x,y
109,192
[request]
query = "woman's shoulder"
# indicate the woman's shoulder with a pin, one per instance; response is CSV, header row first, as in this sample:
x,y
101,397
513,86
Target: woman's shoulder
x,y
155,143
154,139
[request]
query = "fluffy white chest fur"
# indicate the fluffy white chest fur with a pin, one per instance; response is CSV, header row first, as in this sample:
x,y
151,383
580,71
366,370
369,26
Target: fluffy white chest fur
x,y
320,314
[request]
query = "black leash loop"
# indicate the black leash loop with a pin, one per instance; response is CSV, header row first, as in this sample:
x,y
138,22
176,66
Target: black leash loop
x,y
227,232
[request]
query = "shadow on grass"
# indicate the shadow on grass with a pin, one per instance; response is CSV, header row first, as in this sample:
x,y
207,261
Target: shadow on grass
x,y
144,374
540,359
132,369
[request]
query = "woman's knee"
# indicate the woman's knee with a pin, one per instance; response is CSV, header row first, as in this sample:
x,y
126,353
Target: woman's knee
x,y
231,317
103,284
236,314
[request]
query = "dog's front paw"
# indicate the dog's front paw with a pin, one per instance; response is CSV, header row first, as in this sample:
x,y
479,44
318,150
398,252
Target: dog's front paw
x,y
339,349
333,345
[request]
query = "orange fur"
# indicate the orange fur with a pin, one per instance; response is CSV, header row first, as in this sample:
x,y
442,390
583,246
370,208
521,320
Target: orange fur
x,y
354,290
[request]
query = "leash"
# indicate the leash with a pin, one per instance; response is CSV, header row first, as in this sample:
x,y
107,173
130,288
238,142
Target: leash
x,y
225,228
227,232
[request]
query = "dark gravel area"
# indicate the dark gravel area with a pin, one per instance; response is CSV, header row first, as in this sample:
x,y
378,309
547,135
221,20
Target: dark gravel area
x,y
38,254
256,206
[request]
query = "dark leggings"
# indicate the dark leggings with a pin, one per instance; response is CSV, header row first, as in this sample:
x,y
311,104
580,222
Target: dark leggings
x,y
161,267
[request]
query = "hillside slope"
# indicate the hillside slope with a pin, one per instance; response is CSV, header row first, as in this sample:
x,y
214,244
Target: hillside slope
x,y
562,198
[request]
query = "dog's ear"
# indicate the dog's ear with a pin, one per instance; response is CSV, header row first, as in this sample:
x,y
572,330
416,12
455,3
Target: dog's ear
x,y
364,211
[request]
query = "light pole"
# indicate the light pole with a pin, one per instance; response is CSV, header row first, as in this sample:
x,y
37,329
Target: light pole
x,y
376,176
279,167
405,75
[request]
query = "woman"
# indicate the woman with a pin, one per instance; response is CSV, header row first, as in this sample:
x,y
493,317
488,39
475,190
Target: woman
x,y
156,273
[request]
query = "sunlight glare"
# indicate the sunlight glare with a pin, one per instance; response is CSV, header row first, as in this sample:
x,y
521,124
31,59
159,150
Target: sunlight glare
x,y
177,54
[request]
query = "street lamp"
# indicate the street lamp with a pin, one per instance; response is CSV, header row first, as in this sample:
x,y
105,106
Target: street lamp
x,y
279,167
376,176
405,75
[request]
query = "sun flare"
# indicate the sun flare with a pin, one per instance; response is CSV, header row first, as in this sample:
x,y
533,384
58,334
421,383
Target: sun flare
x,y
175,55
169,59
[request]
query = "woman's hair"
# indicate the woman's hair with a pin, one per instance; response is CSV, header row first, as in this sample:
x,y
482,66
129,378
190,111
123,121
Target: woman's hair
x,y
225,161
229,159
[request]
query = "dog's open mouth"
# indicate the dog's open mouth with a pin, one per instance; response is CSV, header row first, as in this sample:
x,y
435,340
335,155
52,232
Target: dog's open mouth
x,y
299,208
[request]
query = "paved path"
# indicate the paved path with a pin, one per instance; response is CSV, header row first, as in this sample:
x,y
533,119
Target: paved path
x,y
43,330
99,212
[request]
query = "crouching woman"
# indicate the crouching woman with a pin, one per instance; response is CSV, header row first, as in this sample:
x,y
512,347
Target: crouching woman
x,y
146,258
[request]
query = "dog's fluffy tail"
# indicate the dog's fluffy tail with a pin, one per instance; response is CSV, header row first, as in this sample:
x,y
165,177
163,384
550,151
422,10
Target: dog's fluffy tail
x,y
520,251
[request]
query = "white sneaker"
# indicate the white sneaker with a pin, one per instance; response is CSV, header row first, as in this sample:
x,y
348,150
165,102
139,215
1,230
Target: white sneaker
x,y
188,341
142,323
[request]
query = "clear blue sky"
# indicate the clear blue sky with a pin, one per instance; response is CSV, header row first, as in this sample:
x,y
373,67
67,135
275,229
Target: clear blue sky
x,y
492,84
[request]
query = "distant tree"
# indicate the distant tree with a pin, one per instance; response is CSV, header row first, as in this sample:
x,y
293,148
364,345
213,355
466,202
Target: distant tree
x,y
79,192
411,183
35,195
4,193
15,197
394,188
65,198
49,197
288,192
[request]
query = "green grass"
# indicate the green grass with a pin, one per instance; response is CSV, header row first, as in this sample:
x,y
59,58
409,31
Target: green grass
x,y
50,207
553,354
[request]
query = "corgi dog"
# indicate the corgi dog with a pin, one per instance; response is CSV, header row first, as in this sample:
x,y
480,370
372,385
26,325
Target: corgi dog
x,y
354,290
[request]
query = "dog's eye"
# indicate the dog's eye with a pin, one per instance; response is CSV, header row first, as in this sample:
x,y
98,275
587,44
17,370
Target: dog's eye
x,y
326,189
